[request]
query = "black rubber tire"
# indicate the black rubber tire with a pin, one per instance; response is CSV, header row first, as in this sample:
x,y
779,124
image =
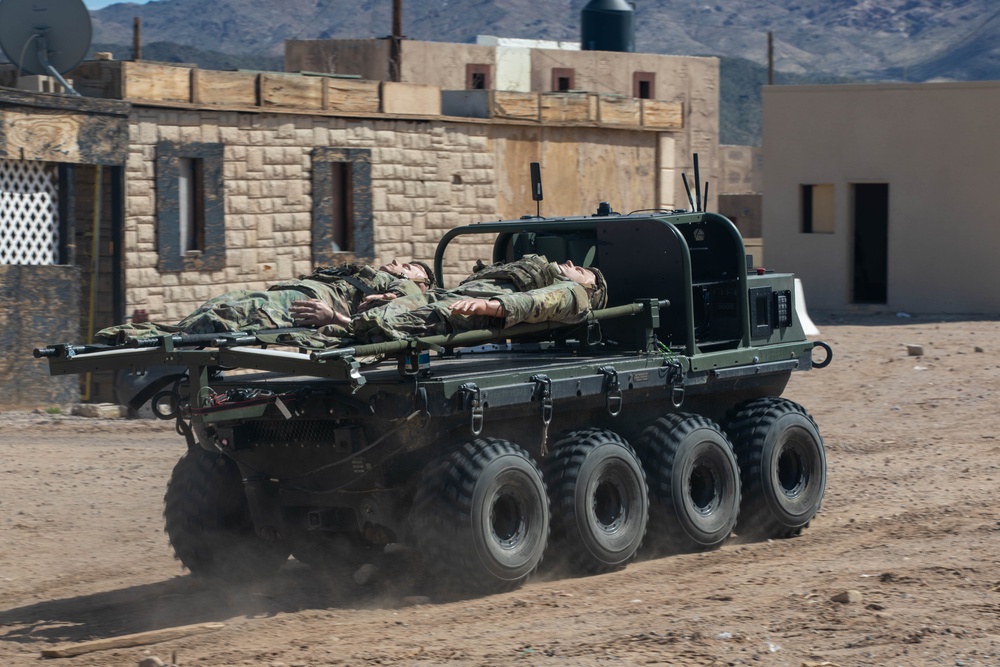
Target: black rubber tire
x,y
600,503
694,483
208,521
783,466
481,517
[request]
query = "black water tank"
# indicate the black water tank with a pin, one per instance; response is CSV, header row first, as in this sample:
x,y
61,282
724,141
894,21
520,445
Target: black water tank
x,y
607,25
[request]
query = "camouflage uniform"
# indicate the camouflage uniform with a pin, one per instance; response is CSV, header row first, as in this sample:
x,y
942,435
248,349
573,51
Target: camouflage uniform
x,y
530,290
343,289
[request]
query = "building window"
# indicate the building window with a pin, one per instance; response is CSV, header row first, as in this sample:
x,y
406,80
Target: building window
x,y
563,79
341,207
29,213
644,85
342,226
477,77
190,206
817,209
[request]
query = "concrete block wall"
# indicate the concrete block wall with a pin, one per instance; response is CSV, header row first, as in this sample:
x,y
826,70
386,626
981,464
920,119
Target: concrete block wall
x,y
426,179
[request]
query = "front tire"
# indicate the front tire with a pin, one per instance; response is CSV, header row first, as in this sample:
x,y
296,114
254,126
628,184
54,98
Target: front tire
x,y
694,483
208,521
599,499
783,463
481,517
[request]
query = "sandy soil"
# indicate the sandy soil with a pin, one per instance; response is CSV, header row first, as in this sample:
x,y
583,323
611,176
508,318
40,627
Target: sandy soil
x,y
908,525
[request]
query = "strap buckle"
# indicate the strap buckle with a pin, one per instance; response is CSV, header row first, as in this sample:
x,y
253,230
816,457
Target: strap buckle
x,y
613,391
473,396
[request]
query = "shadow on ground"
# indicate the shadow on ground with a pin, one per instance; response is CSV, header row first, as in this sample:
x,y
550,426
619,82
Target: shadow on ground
x,y
188,600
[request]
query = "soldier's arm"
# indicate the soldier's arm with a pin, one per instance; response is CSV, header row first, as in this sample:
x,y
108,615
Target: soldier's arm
x,y
485,307
564,301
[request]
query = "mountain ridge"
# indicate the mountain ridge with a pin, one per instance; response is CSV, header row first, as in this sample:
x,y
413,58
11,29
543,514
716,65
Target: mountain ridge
x,y
865,39
815,41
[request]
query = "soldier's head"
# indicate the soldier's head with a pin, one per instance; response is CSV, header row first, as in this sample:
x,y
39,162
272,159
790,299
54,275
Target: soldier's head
x,y
591,279
418,272
428,273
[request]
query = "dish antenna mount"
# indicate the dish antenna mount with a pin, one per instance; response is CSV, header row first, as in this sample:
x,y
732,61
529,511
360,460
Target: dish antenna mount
x,y
45,37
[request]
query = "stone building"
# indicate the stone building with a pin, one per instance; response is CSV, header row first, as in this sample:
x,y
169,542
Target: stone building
x,y
222,180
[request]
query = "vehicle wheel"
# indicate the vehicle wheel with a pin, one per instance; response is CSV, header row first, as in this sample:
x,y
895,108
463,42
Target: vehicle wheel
x,y
600,503
481,517
783,466
208,521
694,483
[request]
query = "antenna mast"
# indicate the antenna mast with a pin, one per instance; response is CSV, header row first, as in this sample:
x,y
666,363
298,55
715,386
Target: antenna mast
x,y
536,186
396,42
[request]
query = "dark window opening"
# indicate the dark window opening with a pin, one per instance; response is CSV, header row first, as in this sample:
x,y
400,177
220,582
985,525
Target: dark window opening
x,y
342,227
190,206
563,79
644,85
342,205
477,77
807,209
191,196
817,209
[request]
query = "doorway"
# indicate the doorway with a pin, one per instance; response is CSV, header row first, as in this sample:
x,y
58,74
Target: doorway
x,y
871,242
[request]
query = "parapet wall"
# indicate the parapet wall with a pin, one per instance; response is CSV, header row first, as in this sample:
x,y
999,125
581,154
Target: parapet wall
x,y
143,82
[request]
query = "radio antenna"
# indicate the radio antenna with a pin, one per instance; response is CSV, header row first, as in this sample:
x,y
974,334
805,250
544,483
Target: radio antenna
x,y
697,183
687,187
536,186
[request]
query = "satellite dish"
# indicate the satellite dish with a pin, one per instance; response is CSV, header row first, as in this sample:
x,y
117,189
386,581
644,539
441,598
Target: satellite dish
x,y
45,37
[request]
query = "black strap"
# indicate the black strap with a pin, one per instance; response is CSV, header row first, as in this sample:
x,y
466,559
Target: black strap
x,y
362,286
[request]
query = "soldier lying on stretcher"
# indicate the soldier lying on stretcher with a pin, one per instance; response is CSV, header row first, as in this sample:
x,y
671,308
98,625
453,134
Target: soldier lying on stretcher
x,y
530,289
312,301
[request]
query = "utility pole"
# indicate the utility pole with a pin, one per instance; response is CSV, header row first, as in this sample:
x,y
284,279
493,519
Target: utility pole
x,y
137,38
770,58
396,42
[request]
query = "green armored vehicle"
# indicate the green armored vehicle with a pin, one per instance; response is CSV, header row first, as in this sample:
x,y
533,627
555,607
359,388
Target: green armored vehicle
x,y
656,423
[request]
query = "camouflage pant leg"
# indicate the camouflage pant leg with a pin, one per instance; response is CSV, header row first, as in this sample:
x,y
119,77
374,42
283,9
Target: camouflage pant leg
x,y
392,323
121,332
377,324
432,319
242,310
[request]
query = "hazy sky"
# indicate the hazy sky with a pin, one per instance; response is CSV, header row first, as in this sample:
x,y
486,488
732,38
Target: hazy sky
x,y
97,4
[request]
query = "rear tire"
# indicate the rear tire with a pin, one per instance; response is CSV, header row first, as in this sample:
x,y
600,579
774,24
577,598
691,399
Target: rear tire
x,y
783,464
694,483
600,504
481,517
208,521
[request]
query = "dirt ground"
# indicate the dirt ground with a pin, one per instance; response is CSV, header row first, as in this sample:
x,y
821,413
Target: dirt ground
x,y
908,536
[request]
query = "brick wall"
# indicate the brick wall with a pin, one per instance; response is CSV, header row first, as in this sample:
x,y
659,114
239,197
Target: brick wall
x,y
41,304
426,179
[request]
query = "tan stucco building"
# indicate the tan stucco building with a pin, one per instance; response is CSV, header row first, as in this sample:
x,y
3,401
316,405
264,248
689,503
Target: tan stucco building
x,y
884,195
633,86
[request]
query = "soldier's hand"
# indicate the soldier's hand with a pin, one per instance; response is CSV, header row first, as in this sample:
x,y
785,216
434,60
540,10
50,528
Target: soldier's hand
x,y
312,313
486,307
373,300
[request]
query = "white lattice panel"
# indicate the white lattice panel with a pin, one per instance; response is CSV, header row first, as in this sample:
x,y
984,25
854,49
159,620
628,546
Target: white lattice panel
x,y
29,213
